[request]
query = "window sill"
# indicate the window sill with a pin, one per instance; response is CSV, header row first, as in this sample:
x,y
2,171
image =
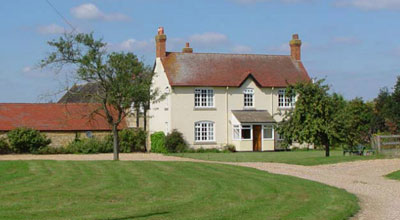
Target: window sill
x,y
204,108
285,108
205,142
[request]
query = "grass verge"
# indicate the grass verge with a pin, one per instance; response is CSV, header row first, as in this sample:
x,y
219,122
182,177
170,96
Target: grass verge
x,y
394,175
161,190
307,158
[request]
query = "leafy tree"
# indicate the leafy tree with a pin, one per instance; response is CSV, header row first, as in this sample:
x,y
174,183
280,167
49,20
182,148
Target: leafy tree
x,y
116,74
314,119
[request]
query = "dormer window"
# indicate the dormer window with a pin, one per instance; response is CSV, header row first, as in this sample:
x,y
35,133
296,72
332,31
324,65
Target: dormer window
x,y
203,98
249,98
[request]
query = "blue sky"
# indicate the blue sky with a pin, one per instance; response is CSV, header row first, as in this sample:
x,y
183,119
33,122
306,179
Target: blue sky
x,y
354,44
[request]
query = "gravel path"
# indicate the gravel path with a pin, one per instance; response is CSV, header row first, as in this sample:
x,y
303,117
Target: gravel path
x,y
379,196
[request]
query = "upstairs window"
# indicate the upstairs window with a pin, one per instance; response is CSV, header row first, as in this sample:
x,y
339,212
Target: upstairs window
x,y
248,98
204,131
285,101
203,98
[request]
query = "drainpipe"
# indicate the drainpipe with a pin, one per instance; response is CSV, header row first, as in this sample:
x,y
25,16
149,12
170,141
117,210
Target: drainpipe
x,y
227,116
272,102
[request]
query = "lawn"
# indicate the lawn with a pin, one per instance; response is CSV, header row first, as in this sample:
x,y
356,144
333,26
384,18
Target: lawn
x,y
394,175
161,190
308,158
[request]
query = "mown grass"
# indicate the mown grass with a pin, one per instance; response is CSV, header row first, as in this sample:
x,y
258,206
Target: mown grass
x,y
161,190
307,158
394,175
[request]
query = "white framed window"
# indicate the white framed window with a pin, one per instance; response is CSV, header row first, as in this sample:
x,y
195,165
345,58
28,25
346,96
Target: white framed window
x,y
268,132
203,98
204,131
248,98
242,132
285,101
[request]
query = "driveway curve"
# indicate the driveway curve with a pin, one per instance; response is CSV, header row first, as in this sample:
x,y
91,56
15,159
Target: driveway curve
x,y
379,196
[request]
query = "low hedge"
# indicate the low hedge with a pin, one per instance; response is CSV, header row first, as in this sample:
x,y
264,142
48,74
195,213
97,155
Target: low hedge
x,y
158,142
27,140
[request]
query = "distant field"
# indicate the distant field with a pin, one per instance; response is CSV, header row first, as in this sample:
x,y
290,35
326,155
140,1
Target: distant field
x,y
394,175
307,158
161,190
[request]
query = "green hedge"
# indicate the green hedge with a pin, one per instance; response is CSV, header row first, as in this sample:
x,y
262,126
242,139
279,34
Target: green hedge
x,y
175,143
27,140
4,146
158,142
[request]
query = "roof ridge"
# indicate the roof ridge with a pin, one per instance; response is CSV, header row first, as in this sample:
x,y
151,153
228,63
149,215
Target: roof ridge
x,y
238,54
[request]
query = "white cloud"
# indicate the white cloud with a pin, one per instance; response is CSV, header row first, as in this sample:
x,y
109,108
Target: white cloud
x,y
90,11
133,45
346,40
283,1
370,4
50,29
209,38
27,69
241,49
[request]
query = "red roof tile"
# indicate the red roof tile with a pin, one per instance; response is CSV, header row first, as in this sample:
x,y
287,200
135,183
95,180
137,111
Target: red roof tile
x,y
208,69
53,117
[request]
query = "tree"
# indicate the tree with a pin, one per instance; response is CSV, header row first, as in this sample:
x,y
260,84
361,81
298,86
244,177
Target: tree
x,y
116,74
314,119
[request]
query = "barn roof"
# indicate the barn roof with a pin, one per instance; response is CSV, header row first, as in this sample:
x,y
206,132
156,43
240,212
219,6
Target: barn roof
x,y
53,117
213,69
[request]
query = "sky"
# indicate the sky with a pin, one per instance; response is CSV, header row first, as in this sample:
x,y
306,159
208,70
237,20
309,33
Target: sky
x,y
353,44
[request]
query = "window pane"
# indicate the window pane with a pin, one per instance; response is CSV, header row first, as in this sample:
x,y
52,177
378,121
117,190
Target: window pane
x,y
246,133
268,132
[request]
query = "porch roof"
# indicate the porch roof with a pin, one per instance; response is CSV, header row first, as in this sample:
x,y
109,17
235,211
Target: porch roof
x,y
253,116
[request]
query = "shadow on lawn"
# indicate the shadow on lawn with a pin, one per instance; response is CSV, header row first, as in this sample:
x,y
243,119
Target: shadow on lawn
x,y
136,216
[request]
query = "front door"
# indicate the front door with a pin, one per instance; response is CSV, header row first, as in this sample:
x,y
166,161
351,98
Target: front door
x,y
256,137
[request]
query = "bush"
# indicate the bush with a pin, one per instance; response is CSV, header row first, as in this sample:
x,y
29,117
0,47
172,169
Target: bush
x,y
27,140
130,140
88,146
158,142
230,148
175,143
4,146
52,150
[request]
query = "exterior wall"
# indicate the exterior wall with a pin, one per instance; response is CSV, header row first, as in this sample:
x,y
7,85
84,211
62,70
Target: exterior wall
x,y
160,113
60,139
177,111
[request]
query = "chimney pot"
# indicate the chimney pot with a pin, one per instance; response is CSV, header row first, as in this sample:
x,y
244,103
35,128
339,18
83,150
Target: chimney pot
x,y
187,48
161,40
295,47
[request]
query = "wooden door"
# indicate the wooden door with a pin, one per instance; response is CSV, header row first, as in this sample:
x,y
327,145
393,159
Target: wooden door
x,y
256,137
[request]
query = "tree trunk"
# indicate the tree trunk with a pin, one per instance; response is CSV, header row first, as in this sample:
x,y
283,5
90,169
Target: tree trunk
x,y
145,128
137,117
115,142
327,153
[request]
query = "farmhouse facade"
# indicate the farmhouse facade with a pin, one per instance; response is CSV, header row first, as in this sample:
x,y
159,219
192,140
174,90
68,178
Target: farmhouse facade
x,y
219,99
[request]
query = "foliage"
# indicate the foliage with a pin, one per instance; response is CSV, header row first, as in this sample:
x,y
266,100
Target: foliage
x,y
158,142
230,148
88,146
118,75
175,143
387,110
27,140
313,119
131,140
4,146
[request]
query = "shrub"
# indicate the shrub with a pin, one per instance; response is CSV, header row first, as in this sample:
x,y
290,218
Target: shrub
x,y
27,140
130,140
52,150
175,143
89,146
4,146
158,142
230,148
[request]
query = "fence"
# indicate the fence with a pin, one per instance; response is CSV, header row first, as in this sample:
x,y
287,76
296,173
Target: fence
x,y
386,144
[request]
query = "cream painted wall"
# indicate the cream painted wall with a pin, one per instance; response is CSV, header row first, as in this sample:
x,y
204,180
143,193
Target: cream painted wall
x,y
160,113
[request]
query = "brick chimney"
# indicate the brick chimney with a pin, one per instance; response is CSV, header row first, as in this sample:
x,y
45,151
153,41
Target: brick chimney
x,y
295,47
161,40
187,48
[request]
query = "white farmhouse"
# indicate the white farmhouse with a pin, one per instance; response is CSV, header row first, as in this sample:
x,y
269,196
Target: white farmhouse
x,y
218,99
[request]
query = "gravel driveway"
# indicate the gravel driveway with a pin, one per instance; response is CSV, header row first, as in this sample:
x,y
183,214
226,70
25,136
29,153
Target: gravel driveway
x,y
379,196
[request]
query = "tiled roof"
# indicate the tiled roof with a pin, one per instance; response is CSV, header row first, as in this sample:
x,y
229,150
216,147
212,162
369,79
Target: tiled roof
x,y
208,69
253,116
53,117
81,94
